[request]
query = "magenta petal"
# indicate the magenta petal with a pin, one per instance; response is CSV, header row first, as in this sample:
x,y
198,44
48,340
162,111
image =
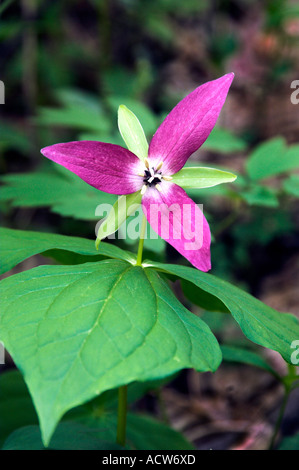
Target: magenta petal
x,y
107,167
177,219
189,124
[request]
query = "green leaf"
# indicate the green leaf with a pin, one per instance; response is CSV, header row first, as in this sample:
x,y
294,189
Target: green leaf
x,y
80,111
223,141
259,322
113,76
146,433
17,245
260,196
291,185
143,433
272,158
132,132
76,331
16,407
260,163
17,410
76,97
245,356
65,193
108,401
68,436
75,117
202,298
12,137
201,177
122,209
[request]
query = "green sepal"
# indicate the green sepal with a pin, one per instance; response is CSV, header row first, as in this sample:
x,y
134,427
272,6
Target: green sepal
x,y
132,132
120,211
201,177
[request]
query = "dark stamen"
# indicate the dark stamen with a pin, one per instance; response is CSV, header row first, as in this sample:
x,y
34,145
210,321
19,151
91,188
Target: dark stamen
x,y
147,176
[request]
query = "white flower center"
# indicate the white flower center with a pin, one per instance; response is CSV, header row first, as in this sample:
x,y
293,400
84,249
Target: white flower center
x,y
153,176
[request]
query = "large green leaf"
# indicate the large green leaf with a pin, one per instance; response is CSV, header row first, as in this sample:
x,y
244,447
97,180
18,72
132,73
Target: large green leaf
x,y
202,177
76,331
17,245
259,322
272,158
65,193
132,132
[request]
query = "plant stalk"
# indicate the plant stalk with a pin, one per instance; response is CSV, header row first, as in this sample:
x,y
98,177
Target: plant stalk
x,y
122,416
141,242
287,382
122,391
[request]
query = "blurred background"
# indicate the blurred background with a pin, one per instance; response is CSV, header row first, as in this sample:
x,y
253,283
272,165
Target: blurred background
x,y
68,64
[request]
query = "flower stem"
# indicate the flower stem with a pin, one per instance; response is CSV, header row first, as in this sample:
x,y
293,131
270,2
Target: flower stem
x,y
122,391
141,241
122,416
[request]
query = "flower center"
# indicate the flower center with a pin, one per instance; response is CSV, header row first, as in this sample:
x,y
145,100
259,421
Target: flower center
x,y
153,176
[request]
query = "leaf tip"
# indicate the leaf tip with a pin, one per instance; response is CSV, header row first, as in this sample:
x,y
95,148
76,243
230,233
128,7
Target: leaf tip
x,y
122,107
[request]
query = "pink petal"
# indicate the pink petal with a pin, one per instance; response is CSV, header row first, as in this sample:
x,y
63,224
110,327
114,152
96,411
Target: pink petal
x,y
107,167
189,124
177,219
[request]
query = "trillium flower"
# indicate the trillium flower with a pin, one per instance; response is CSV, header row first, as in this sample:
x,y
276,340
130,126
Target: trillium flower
x,y
154,174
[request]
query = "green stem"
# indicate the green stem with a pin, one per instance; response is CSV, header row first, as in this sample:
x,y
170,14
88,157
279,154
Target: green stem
x,y
122,391
280,417
122,416
292,372
288,383
141,242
